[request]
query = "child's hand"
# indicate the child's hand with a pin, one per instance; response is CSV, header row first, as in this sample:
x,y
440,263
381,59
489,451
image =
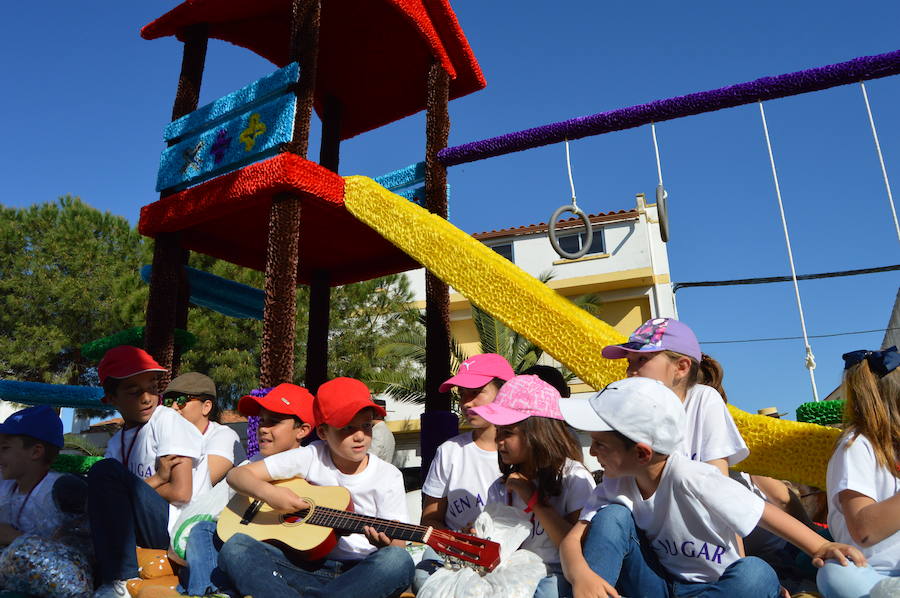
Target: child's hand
x,y
377,539
283,499
838,552
521,485
164,466
592,585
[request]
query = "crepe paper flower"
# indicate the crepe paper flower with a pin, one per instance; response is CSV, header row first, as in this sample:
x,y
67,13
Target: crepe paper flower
x,y
823,413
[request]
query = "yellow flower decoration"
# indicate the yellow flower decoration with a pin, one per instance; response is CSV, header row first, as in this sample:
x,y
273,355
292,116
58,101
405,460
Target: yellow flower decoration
x,y
254,129
778,448
493,283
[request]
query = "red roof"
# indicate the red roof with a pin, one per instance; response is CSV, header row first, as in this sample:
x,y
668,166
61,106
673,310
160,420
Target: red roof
x,y
374,55
543,227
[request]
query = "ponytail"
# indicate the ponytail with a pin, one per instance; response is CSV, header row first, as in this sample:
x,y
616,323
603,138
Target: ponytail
x,y
712,374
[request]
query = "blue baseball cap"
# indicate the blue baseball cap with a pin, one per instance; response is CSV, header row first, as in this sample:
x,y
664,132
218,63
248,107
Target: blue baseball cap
x,y
39,422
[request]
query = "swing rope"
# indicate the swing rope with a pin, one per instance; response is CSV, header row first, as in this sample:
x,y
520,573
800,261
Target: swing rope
x,y
571,180
656,150
810,358
887,183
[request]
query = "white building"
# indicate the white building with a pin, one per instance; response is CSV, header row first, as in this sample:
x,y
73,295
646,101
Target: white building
x,y
627,266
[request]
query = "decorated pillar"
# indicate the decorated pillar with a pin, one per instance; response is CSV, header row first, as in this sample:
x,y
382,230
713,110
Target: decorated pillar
x,y
167,293
282,250
438,422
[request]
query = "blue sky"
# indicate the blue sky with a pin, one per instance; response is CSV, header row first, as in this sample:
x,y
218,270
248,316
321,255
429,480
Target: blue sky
x,y
87,100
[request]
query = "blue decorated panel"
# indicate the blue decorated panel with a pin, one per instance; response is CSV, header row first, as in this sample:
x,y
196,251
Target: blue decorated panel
x,y
245,98
250,136
408,182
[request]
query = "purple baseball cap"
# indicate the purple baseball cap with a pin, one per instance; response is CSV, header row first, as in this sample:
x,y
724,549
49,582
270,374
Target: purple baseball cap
x,y
658,334
478,370
520,398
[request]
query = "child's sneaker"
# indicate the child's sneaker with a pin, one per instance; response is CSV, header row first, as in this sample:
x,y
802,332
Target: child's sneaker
x,y
114,589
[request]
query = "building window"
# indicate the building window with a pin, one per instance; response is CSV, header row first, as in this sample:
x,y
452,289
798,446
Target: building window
x,y
574,243
506,250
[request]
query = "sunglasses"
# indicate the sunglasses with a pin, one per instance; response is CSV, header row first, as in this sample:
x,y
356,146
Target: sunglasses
x,y
181,400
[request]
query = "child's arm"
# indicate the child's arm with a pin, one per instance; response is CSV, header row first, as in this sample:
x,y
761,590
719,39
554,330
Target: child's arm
x,y
781,524
434,510
8,533
253,480
178,485
218,467
868,521
585,583
556,525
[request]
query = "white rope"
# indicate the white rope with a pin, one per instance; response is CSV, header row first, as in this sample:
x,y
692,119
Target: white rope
x,y
810,358
571,181
656,149
887,183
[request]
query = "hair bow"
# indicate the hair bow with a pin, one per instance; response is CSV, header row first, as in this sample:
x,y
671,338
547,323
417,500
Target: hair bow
x,y
881,362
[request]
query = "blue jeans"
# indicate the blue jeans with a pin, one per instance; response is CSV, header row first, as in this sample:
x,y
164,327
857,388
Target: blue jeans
x,y
615,551
431,562
837,581
124,513
202,575
258,569
555,585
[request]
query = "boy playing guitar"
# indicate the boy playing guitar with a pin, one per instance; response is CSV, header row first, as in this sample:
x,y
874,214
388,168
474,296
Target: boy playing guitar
x,y
370,564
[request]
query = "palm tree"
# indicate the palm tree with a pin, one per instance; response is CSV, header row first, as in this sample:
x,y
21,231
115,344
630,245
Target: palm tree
x,y
494,337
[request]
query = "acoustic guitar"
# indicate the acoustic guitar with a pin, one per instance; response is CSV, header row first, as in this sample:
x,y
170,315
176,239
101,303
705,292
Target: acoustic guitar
x,y
309,534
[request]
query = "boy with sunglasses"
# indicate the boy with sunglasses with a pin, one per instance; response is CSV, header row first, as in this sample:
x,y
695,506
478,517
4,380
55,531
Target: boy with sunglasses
x,y
136,494
193,395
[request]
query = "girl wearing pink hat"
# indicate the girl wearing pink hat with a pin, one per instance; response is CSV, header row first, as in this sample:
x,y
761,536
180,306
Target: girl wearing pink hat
x,y
542,470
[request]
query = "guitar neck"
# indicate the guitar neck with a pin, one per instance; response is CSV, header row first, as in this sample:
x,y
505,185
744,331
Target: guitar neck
x,y
347,521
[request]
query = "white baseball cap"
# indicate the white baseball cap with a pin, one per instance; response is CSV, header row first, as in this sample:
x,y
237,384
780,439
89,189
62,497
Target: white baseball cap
x,y
642,409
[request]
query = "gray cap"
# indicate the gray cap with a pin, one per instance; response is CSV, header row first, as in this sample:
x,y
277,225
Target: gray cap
x,y
192,384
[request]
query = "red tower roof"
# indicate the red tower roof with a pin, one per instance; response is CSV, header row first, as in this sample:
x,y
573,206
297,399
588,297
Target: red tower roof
x,y
374,55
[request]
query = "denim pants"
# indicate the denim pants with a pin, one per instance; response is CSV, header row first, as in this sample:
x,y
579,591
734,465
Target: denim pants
x,y
615,551
555,585
124,512
837,581
258,569
202,574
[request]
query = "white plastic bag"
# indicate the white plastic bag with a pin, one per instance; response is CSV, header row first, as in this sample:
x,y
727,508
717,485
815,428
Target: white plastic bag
x,y
205,507
519,571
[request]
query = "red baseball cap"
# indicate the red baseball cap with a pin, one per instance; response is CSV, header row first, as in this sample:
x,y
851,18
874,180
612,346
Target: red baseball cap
x,y
478,370
339,400
288,399
125,361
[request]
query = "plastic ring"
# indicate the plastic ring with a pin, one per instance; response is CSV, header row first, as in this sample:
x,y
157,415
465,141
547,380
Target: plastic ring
x,y
554,240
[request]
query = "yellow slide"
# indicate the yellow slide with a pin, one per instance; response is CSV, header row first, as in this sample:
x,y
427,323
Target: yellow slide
x,y
780,449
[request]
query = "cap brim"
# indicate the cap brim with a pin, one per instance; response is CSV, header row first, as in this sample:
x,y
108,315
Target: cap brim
x,y
579,414
249,406
120,376
466,381
498,414
621,351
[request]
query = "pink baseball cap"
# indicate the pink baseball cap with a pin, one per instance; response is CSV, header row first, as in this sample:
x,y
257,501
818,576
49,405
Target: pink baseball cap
x,y
658,334
520,398
478,370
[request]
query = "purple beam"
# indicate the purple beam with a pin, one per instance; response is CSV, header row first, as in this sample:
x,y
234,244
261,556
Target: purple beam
x,y
766,88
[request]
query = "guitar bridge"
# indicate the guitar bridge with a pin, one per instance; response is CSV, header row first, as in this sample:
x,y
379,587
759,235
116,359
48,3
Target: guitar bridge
x,y
251,512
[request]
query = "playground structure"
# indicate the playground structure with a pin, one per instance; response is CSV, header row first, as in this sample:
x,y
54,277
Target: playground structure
x,y
235,183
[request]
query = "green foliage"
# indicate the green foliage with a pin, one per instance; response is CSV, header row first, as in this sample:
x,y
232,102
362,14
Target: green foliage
x,y
68,275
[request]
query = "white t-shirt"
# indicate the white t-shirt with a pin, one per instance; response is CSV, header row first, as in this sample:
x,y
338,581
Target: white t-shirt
x,y
39,515
690,520
220,441
578,484
462,473
376,491
854,467
167,433
711,432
